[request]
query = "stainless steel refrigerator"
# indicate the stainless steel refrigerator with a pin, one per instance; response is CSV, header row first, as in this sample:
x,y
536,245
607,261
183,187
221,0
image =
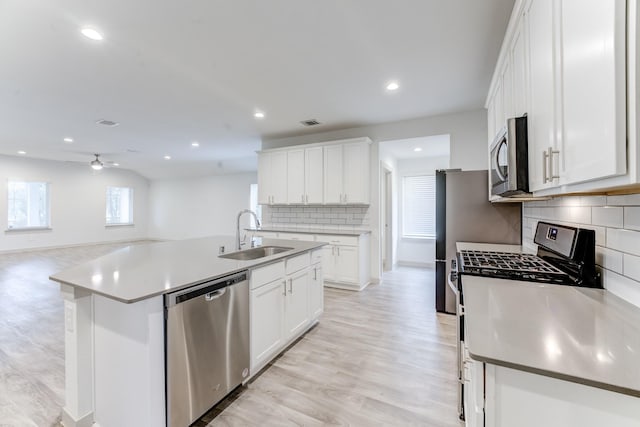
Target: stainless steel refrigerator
x,y
464,214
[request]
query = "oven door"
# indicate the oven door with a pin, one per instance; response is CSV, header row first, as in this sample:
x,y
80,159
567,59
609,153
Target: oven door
x,y
499,164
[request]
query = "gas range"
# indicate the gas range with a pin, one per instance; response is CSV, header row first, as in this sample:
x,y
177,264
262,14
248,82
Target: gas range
x,y
566,256
513,266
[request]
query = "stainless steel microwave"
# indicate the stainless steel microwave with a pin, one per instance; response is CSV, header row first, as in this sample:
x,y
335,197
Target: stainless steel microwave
x,y
508,161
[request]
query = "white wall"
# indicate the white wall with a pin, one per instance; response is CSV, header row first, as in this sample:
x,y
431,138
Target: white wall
x,y
417,252
78,203
468,133
616,221
196,207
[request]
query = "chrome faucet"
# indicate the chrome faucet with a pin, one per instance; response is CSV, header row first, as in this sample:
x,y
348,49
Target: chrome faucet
x,y
238,244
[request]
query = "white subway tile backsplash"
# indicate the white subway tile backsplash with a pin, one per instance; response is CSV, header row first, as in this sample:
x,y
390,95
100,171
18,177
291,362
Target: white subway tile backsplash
x,y
608,216
609,259
626,200
632,266
624,240
317,216
616,222
632,217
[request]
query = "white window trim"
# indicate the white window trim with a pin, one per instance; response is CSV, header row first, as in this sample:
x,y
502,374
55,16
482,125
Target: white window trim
x,y
46,227
122,224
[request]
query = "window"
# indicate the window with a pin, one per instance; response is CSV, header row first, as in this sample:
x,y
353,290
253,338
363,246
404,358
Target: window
x,y
253,204
418,206
119,206
28,205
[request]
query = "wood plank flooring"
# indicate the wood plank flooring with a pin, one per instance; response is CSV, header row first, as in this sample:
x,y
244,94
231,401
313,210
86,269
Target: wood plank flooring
x,y
381,357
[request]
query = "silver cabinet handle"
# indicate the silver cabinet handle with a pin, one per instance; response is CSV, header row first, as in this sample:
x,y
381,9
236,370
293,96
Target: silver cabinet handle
x,y
333,250
284,282
315,273
545,177
291,286
338,249
551,153
547,165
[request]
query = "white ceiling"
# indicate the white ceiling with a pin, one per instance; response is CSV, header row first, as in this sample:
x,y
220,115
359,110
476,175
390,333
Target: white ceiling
x,y
431,146
172,72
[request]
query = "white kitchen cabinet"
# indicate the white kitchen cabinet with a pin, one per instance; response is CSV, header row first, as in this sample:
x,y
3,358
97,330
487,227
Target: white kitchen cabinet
x,y
346,261
267,321
523,399
296,306
519,67
316,291
593,89
284,303
346,173
304,176
272,178
543,143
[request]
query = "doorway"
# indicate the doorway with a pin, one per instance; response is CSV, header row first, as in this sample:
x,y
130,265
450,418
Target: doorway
x,y
387,216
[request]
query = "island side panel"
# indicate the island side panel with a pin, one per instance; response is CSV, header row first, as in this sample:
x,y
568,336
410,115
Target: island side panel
x,y
78,341
129,362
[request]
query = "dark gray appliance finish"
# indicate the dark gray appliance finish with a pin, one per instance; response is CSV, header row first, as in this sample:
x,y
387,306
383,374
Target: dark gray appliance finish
x,y
207,346
464,214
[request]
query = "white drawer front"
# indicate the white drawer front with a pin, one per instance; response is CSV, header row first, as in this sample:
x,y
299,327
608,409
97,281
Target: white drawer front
x,y
297,263
316,256
263,275
338,240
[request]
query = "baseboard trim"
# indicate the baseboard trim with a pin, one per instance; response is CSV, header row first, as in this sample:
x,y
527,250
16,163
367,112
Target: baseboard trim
x,y
416,264
67,420
345,286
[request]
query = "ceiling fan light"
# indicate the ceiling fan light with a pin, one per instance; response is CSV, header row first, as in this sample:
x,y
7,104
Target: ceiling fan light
x,y
96,164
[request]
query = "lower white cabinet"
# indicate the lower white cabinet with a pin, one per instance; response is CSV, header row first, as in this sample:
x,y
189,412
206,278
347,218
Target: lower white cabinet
x,y
286,299
496,396
346,261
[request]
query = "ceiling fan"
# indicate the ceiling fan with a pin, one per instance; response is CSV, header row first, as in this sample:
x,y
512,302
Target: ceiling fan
x,y
96,164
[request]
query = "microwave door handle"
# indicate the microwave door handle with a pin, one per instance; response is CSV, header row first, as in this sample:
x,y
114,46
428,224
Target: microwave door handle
x,y
496,164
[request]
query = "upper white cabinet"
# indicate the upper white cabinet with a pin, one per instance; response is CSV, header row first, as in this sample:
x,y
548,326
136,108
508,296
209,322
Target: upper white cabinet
x,y
592,64
327,173
304,176
346,173
567,65
272,178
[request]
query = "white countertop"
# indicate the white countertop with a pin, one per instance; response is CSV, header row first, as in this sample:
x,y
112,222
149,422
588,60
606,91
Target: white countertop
x,y
588,336
335,231
142,271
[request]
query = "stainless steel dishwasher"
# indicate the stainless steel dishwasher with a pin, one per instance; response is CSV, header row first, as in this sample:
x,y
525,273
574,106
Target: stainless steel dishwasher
x,y
207,345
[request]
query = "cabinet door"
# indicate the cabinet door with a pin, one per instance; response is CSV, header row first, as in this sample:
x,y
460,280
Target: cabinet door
x,y
279,177
519,71
541,124
267,321
264,174
295,177
329,262
593,89
356,173
507,90
316,291
333,174
313,175
491,121
347,264
297,303
498,100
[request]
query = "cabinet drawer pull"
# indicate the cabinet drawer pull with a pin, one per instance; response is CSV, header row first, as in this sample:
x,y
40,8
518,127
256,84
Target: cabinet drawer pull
x,y
284,282
291,286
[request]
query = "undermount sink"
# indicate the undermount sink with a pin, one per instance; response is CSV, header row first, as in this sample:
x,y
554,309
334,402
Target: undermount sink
x,y
255,253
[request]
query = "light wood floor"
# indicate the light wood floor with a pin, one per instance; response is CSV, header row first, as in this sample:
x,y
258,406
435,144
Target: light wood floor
x,y
381,357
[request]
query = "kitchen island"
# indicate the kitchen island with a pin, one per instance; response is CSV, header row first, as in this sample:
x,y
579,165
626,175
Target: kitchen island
x,y
115,320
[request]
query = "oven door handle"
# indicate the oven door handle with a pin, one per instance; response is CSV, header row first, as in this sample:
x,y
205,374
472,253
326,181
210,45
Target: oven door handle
x,y
452,285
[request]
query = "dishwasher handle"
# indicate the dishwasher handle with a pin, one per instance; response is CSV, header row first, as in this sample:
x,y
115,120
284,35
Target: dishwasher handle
x,y
211,289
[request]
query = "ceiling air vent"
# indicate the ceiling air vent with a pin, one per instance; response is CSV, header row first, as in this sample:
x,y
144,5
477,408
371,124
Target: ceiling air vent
x,y
310,122
109,123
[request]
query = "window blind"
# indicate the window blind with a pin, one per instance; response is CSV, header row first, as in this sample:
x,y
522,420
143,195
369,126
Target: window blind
x,y
418,206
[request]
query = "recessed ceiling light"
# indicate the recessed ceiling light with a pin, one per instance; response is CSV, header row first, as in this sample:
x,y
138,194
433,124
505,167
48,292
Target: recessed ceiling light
x,y
167,157
417,149
116,164
258,115
91,33
392,86
22,152
68,140
195,144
